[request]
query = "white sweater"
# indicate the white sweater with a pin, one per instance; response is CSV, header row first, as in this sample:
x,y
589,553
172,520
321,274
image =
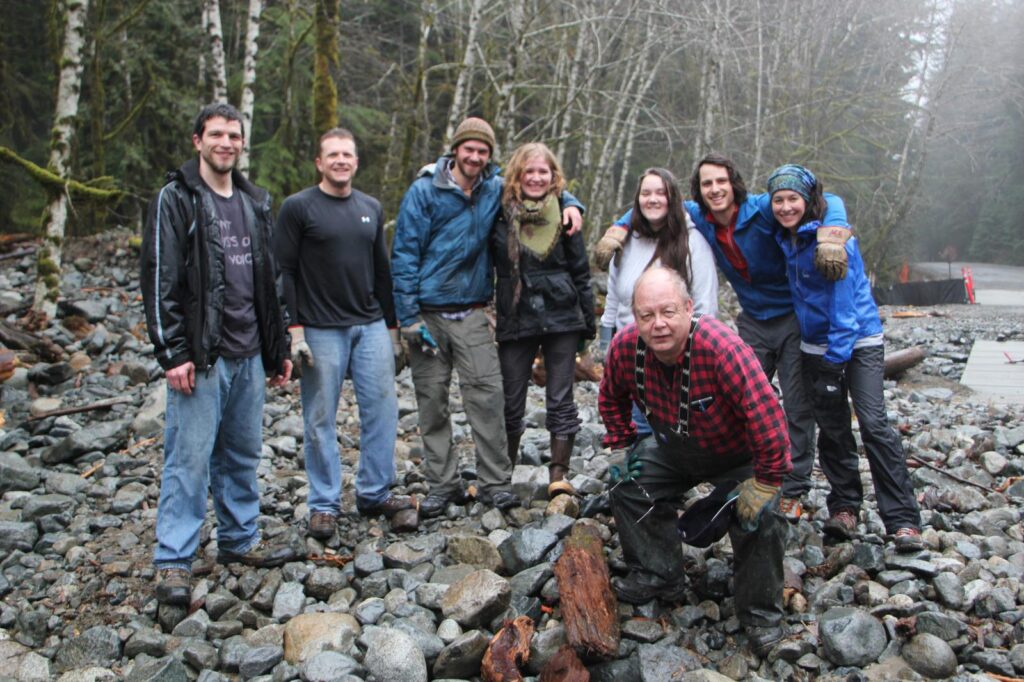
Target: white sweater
x,y
636,255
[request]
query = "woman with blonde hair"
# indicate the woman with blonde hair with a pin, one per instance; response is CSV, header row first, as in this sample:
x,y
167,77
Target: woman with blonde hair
x,y
543,298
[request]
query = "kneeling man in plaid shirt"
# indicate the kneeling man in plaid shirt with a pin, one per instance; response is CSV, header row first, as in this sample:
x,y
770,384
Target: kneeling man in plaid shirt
x,y
715,418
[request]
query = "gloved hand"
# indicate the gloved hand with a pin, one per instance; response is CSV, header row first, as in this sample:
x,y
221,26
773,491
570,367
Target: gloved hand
x,y
828,387
605,340
398,351
300,351
830,255
609,245
753,497
418,334
627,466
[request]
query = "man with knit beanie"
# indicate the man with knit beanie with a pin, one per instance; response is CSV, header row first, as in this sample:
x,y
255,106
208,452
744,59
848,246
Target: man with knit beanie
x,y
443,278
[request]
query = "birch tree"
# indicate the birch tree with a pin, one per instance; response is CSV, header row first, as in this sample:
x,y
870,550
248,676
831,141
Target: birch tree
x,y
65,114
215,35
252,35
457,111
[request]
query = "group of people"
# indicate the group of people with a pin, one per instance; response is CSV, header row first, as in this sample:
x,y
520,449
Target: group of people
x,y
684,399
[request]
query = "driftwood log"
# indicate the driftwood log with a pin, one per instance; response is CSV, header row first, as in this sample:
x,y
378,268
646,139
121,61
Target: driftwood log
x,y
564,666
900,361
589,608
12,337
508,650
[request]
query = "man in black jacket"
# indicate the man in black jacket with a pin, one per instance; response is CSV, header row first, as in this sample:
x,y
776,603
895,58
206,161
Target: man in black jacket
x,y
217,327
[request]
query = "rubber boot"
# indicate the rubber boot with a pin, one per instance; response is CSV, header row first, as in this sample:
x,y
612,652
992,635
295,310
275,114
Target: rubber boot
x,y
513,446
561,451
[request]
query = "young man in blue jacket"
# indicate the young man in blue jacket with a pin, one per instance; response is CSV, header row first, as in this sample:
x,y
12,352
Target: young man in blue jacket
x,y
443,278
741,229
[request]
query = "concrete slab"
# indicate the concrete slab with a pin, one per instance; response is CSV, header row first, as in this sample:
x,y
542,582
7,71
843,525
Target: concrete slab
x,y
992,376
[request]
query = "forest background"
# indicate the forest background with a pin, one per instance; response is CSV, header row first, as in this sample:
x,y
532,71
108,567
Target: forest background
x,y
911,110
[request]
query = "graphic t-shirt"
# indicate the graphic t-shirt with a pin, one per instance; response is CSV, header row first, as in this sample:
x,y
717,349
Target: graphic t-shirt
x,y
239,333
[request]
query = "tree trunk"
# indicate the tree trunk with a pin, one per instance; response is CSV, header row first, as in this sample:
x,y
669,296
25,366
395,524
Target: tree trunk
x,y
506,106
457,111
48,258
218,69
327,66
589,608
426,24
252,35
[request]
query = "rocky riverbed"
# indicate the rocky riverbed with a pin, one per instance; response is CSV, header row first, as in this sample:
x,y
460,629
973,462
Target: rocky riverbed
x,y
78,509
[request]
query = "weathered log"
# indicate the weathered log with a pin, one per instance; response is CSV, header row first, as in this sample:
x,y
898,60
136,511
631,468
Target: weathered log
x,y
508,650
900,361
12,337
564,666
589,608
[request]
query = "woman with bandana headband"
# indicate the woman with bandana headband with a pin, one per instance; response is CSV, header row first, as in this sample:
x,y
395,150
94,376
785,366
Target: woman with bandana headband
x,y
544,301
843,358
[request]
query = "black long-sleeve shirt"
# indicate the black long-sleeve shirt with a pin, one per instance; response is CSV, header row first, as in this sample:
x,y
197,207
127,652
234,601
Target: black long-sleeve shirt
x,y
333,259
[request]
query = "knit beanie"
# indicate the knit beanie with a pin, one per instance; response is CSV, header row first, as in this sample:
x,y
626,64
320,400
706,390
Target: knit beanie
x,y
792,177
474,128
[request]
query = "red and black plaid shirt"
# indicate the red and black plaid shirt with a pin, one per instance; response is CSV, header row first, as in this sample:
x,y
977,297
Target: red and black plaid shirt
x,y
733,408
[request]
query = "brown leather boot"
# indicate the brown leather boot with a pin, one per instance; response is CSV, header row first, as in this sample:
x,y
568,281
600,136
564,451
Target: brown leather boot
x,y
513,446
561,451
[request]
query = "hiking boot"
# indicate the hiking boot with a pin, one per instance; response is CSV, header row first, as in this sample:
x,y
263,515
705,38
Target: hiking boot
x,y
791,509
502,499
633,590
262,554
842,525
434,505
387,508
322,525
908,540
561,452
762,639
174,587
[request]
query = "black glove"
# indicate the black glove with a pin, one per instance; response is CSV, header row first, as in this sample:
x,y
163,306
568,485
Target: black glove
x,y
828,387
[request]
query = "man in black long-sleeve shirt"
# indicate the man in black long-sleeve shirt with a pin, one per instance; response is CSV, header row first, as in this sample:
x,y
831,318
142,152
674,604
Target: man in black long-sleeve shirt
x,y
336,275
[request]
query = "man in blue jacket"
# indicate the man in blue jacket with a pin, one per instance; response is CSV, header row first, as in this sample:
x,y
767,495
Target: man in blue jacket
x,y
741,228
443,278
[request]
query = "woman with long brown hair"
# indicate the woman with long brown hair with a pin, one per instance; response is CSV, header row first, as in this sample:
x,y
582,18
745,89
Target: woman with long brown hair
x,y
660,232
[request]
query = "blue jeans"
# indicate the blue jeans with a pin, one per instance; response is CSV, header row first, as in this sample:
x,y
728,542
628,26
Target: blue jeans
x,y
643,429
364,353
212,440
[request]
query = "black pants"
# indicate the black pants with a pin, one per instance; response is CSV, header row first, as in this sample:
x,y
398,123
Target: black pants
x,y
516,358
837,449
652,548
777,345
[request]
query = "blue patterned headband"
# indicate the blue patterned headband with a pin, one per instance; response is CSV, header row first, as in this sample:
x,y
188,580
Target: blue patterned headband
x,y
793,177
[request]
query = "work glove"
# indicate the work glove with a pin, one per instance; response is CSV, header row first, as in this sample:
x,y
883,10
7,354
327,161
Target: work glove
x,y
300,351
604,340
398,351
753,497
627,466
828,386
417,334
830,255
609,245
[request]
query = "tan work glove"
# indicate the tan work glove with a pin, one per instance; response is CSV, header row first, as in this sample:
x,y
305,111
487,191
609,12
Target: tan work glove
x,y
830,255
398,351
753,497
609,245
301,354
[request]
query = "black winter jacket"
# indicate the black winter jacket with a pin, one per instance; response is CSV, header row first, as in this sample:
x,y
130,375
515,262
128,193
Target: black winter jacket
x,y
182,273
556,295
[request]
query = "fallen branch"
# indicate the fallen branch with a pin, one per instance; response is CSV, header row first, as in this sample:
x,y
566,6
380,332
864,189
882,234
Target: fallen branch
x,y
20,339
98,405
951,475
93,469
